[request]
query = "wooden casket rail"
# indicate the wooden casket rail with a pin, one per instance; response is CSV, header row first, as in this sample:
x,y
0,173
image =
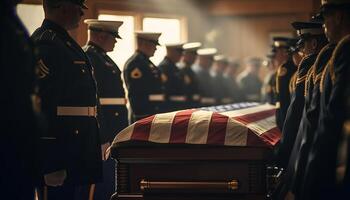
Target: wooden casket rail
x,y
190,172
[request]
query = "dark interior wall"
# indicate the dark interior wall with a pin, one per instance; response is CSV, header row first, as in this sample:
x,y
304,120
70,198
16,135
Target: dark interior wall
x,y
239,28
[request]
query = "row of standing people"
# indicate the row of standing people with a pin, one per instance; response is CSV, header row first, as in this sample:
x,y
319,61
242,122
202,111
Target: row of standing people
x,y
182,80
312,107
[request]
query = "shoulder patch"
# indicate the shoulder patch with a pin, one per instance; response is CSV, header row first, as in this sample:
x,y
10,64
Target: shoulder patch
x,y
164,78
41,69
187,80
136,73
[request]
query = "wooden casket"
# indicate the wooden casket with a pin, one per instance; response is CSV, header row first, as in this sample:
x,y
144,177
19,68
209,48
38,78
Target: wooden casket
x,y
196,154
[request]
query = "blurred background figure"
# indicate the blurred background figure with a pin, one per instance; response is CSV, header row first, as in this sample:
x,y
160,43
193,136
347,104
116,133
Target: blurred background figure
x,y
172,80
113,112
285,71
268,90
205,80
230,74
191,87
220,89
248,80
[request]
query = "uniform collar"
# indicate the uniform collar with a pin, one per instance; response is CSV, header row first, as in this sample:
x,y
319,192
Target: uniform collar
x,y
55,27
142,54
98,48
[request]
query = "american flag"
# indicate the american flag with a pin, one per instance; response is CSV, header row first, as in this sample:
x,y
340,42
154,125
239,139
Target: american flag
x,y
242,124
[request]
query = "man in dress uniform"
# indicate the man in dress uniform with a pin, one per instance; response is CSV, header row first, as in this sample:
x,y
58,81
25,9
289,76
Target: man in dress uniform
x,y
205,80
143,79
19,132
311,41
249,81
220,88
309,121
173,82
319,181
188,75
71,146
102,38
283,76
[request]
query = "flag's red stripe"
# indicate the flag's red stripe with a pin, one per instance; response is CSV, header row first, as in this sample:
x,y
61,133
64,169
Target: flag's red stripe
x,y
253,117
142,129
180,125
272,136
253,140
217,129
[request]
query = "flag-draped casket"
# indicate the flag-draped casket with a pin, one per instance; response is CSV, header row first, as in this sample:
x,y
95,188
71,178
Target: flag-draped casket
x,y
206,153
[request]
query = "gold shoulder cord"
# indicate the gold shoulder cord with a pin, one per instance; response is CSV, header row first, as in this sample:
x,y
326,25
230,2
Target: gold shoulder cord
x,y
309,76
336,52
277,79
293,82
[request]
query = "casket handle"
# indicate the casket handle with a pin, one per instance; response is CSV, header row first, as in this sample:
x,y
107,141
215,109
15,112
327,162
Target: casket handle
x,y
183,185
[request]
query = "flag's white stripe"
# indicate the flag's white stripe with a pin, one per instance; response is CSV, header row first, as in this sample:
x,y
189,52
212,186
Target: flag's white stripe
x,y
246,111
236,134
198,126
262,126
161,127
125,134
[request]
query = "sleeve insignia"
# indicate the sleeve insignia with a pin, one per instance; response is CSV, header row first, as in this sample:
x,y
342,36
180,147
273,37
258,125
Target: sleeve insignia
x,y
187,80
282,71
164,78
136,73
41,69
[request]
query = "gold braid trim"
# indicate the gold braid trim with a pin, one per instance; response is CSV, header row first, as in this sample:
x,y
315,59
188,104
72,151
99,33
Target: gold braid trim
x,y
309,76
324,72
293,83
301,79
277,79
335,53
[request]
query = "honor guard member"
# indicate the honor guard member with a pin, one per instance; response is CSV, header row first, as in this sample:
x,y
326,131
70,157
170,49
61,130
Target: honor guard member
x,y
249,81
172,80
311,40
191,89
268,89
143,79
19,132
221,90
205,81
283,76
71,146
319,181
309,121
102,38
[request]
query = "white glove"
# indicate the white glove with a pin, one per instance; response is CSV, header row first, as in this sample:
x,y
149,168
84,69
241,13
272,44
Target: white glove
x,y
105,153
55,178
